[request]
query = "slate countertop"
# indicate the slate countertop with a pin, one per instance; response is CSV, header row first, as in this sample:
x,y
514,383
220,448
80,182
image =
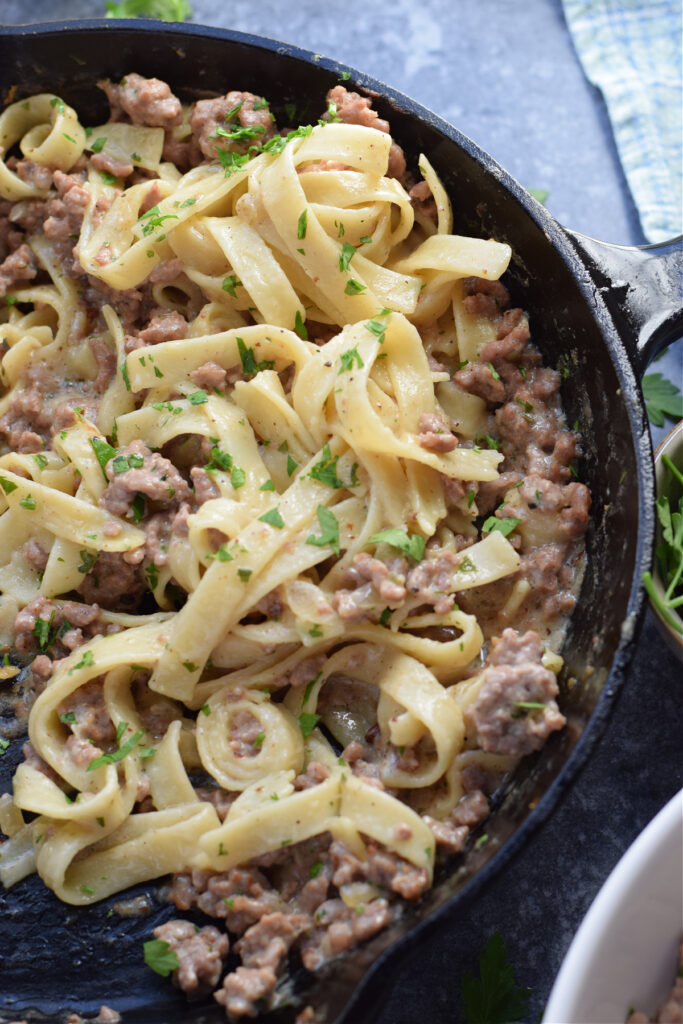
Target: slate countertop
x,y
505,74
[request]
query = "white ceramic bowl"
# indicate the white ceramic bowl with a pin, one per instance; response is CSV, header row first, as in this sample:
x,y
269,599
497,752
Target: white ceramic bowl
x,y
625,952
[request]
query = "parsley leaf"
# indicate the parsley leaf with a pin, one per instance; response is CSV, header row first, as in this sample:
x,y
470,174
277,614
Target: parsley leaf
x,y
330,531
273,518
197,397
163,10
669,553
410,544
307,723
662,399
302,224
539,194
250,367
354,287
119,754
160,957
230,283
348,358
504,526
325,471
346,255
493,998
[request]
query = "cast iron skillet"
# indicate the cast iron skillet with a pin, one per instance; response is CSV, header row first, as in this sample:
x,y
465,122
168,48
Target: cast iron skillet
x,y
608,309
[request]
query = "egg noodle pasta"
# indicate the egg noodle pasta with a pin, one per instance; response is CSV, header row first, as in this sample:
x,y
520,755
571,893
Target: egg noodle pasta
x,y
236,520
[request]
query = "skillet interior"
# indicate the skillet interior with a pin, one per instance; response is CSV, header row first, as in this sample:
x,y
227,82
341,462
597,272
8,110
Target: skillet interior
x,y
87,958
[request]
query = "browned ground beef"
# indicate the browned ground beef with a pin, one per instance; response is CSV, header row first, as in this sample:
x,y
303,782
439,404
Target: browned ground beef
x,y
515,709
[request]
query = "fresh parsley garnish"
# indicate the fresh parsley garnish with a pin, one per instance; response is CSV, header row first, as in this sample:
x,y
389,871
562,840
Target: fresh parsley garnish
x,y
539,194
504,526
347,253
494,998
669,554
325,471
119,754
348,358
273,518
330,531
230,283
410,544
250,366
160,957
662,399
307,723
302,224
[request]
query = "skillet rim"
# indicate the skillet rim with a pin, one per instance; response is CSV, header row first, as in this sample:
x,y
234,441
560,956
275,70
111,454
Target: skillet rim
x,y
623,361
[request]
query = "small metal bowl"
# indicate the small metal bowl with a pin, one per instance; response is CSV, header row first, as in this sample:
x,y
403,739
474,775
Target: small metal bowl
x,y
672,445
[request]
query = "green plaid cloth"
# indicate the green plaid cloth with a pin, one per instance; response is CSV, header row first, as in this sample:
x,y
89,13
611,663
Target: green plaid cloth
x,y
631,50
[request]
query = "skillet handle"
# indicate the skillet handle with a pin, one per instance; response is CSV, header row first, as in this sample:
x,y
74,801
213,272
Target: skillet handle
x,y
643,289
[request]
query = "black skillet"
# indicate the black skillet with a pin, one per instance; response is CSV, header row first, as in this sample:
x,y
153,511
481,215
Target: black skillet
x,y
608,309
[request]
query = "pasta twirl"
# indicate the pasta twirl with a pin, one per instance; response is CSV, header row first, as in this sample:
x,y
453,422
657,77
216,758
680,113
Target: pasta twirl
x,y
288,530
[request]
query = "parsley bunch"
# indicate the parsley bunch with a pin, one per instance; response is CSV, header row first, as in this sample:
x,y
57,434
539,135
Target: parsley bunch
x,y
669,554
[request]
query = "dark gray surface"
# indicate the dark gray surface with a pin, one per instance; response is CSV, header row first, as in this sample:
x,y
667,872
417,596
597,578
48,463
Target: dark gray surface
x,y
506,74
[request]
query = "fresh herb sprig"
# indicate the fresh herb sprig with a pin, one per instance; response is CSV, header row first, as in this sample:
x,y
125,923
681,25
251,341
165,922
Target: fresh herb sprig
x,y
162,10
662,399
669,553
493,997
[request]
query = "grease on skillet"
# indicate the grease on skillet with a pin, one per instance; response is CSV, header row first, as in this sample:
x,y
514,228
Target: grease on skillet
x,y
316,896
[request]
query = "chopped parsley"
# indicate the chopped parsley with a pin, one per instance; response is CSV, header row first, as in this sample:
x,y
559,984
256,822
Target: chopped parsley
x,y
154,219
219,460
7,485
411,544
330,531
28,502
88,559
347,253
119,754
40,460
348,358
258,740
325,471
300,326
160,957
354,287
291,465
302,224
307,723
230,283
98,144
244,574
504,526
152,574
198,397
273,518
4,744
237,477
250,366
267,486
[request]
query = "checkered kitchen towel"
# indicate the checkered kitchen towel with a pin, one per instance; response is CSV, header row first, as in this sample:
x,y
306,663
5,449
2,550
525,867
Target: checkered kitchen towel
x,y
631,50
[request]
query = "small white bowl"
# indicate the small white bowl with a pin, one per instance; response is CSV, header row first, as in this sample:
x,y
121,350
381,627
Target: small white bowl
x,y
625,953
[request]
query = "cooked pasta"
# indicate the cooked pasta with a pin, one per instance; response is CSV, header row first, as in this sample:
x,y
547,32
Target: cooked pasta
x,y
251,442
